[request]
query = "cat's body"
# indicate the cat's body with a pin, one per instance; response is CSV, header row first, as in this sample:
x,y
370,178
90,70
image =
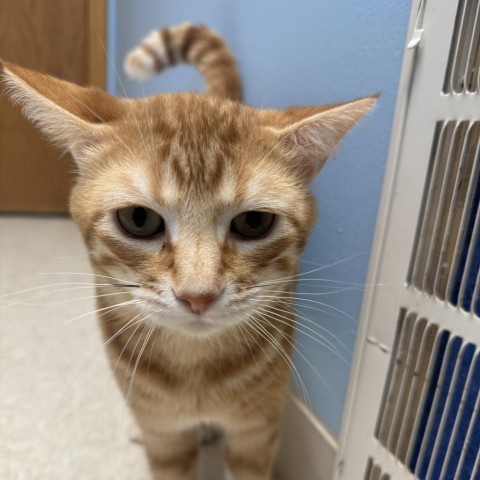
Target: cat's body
x,y
195,210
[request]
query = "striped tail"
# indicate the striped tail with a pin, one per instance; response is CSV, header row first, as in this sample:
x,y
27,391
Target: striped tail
x,y
187,43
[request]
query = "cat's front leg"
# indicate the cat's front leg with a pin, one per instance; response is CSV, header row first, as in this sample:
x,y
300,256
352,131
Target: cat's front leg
x,y
171,455
250,453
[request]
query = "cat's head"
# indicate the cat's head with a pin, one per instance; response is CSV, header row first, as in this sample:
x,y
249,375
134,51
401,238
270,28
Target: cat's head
x,y
202,202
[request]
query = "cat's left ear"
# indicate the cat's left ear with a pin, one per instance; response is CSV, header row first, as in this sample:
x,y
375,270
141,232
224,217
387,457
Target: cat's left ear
x,y
72,116
310,134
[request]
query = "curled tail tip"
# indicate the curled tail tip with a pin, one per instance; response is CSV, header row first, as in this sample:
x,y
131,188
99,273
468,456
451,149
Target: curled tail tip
x,y
139,65
196,45
146,59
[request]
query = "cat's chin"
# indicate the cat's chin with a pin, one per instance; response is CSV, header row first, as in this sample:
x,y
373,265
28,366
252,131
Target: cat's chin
x,y
196,328
200,327
193,325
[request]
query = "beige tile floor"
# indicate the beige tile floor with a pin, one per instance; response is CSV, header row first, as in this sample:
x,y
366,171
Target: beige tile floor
x,y
61,417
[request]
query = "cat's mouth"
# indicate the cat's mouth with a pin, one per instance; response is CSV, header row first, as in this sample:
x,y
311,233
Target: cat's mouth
x,y
178,318
162,314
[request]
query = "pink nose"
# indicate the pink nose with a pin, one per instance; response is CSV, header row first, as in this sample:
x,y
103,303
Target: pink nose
x,y
197,302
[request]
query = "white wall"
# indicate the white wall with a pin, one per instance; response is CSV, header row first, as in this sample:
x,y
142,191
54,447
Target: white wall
x,y
303,52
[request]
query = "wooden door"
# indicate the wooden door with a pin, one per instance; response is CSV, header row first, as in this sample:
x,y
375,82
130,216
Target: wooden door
x,y
64,38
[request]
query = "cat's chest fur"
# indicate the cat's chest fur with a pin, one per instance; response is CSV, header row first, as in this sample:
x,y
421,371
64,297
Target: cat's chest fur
x,y
196,381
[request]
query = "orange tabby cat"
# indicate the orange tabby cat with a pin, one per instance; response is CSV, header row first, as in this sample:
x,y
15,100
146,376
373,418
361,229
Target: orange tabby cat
x,y
194,208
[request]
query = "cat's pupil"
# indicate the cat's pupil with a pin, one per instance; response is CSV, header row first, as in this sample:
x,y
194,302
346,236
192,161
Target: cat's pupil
x,y
140,222
254,219
252,224
139,217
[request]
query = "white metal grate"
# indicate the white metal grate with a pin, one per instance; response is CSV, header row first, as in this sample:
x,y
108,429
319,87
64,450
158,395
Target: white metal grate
x,y
414,402
430,419
446,259
374,472
463,67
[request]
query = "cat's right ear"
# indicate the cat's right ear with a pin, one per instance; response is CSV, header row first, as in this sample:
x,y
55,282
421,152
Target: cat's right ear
x,y
73,117
311,134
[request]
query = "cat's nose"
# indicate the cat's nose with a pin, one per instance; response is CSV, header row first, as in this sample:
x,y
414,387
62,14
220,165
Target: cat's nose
x,y
195,301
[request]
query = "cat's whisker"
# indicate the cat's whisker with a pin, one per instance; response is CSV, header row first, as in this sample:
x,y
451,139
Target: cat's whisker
x,y
326,343
269,298
283,354
287,359
300,302
104,310
306,360
318,280
139,356
100,119
122,86
302,260
10,303
127,370
137,325
302,274
87,360
309,300
359,287
298,305
126,344
291,341
295,281
303,287
244,329
123,282
142,333
267,306
58,302
151,350
116,135
321,327
331,292
32,289
237,338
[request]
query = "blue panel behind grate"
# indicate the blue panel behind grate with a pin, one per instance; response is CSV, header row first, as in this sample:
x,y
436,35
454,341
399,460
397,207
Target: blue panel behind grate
x,y
467,300
438,361
471,448
461,422
440,440
434,421
456,396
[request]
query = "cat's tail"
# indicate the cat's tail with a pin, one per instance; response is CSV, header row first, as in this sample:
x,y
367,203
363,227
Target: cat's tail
x,y
186,43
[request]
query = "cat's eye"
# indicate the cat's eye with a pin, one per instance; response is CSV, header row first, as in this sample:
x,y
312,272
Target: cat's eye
x,y
140,222
251,225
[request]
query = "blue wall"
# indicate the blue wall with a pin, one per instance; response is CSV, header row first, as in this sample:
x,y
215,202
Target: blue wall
x,y
303,52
